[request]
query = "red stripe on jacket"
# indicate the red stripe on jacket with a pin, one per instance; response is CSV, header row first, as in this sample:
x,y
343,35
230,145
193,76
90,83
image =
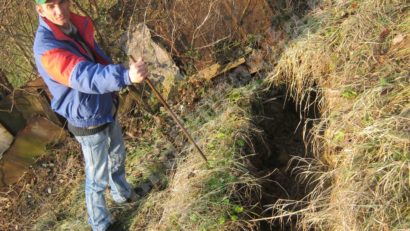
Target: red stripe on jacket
x,y
59,63
86,31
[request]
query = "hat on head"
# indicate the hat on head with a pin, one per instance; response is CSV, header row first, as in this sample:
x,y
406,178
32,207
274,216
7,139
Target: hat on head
x,y
41,1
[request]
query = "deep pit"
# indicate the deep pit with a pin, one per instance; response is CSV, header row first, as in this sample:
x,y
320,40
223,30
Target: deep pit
x,y
281,138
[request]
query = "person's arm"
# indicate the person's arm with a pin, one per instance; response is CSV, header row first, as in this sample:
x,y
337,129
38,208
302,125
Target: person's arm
x,y
95,78
88,77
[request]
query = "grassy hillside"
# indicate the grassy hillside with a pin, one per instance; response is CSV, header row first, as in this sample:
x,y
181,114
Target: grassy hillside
x,y
355,56
318,141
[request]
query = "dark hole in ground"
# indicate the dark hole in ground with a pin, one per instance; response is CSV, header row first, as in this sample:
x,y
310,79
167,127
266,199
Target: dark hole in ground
x,y
282,127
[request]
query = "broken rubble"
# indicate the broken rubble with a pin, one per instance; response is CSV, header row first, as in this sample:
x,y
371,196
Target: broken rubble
x,y
30,143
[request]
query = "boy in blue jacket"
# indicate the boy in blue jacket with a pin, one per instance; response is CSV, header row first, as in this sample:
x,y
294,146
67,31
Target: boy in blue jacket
x,y
82,81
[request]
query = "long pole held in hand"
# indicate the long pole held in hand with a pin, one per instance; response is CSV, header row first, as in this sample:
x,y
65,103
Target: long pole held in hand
x,y
162,100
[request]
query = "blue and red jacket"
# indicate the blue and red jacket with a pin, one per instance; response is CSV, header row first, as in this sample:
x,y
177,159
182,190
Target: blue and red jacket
x,y
81,88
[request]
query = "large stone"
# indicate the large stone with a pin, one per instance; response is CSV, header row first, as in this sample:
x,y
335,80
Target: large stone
x,y
33,100
24,103
30,143
164,73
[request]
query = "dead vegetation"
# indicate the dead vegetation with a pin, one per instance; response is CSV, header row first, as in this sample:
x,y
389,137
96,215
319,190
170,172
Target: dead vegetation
x,y
213,198
17,29
347,53
274,164
42,189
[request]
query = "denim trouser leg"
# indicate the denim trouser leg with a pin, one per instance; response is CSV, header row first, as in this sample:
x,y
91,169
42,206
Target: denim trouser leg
x,y
120,189
104,155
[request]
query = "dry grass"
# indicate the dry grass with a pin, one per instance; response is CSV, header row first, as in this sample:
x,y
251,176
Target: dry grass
x,y
200,197
197,197
45,192
354,55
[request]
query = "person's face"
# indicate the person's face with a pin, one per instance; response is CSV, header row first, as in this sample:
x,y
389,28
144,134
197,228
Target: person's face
x,y
57,11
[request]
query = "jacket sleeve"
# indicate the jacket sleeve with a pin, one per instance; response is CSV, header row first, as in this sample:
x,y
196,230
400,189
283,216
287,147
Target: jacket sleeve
x,y
78,73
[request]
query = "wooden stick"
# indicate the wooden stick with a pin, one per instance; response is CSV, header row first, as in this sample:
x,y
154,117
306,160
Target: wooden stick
x,y
173,115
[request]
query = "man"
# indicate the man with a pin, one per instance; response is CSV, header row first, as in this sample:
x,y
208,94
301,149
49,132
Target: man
x,y
82,80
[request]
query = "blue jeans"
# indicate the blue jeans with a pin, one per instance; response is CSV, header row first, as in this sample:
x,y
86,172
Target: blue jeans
x,y
104,155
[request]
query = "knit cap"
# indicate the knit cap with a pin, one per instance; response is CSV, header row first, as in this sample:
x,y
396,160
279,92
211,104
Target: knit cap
x,y
41,1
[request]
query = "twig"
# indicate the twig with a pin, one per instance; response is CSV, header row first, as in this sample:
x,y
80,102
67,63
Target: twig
x,y
244,11
212,44
203,22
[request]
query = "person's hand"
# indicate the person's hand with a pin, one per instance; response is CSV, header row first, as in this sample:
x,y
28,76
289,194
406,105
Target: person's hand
x,y
138,71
